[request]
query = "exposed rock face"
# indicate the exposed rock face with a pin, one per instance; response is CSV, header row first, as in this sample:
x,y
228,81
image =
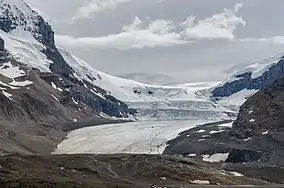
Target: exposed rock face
x,y
2,44
262,114
246,80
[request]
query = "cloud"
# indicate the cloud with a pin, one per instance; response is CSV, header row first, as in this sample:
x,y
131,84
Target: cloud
x,y
157,33
238,7
94,6
275,39
219,26
162,33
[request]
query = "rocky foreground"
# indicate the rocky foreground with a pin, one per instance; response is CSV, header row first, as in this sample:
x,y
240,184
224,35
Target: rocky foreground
x,y
88,171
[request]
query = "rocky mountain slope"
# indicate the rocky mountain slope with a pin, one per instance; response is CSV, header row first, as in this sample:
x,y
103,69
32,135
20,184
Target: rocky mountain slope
x,y
41,91
253,141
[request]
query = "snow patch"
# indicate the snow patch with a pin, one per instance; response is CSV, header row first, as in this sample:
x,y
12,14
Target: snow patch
x,y
218,157
163,178
215,132
55,98
7,85
247,139
74,101
236,174
230,125
8,70
201,131
192,155
252,120
200,182
264,133
8,95
21,83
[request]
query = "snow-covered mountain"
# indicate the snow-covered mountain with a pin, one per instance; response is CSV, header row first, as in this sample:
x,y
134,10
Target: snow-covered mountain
x,y
256,76
29,41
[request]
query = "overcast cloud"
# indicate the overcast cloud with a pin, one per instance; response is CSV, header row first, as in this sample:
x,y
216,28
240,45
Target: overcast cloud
x,y
191,40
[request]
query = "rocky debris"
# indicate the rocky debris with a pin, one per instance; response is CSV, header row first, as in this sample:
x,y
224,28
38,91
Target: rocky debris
x,y
111,171
253,157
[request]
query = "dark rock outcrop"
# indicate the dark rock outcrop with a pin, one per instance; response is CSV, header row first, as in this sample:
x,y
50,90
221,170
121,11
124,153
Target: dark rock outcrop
x,y
2,44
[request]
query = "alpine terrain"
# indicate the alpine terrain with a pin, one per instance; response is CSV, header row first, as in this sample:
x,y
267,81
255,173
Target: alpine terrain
x,y
65,124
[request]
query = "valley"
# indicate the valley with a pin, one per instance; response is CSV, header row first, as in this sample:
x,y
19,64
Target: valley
x,y
64,123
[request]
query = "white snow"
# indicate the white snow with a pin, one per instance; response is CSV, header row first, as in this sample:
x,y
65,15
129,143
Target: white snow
x,y
191,155
205,136
19,4
21,83
238,98
53,85
74,101
163,178
26,50
201,140
226,125
55,98
215,132
236,174
257,68
128,90
7,85
252,120
247,139
8,95
148,137
10,71
201,131
218,157
201,182
264,133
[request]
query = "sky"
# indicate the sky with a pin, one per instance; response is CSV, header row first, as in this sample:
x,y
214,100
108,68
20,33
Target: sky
x,y
186,40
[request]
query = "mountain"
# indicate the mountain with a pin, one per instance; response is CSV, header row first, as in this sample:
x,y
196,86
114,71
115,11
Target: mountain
x,y
45,91
256,76
255,139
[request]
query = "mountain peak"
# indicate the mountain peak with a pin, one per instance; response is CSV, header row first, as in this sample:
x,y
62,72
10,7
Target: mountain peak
x,y
17,15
